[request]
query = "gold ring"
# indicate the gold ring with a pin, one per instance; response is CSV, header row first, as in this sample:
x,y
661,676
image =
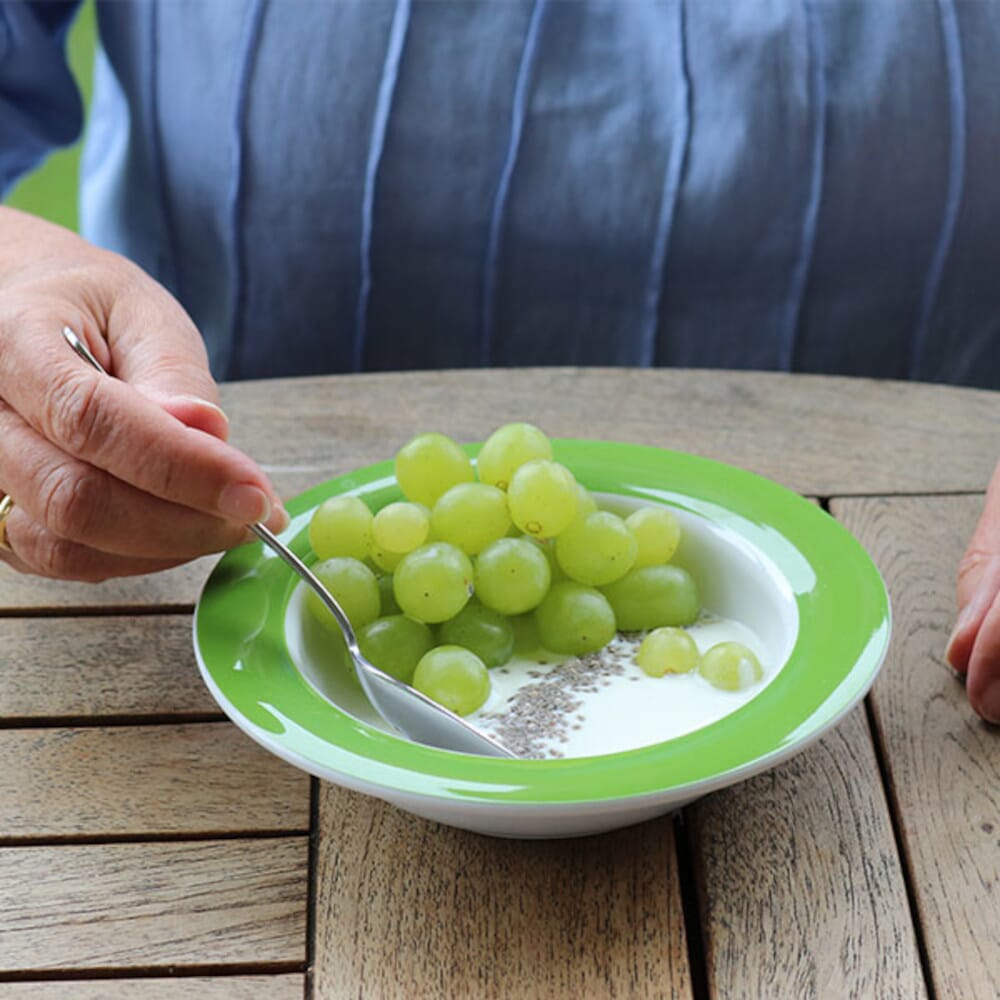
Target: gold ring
x,y
6,506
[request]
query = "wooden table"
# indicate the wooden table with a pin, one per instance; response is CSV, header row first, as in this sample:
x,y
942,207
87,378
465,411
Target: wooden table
x,y
148,848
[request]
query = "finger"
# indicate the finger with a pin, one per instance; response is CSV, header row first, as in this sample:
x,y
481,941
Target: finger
x,y
78,502
33,549
983,681
143,313
978,578
108,424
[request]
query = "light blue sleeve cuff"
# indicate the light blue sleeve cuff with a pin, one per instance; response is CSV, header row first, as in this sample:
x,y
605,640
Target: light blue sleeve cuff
x,y
40,105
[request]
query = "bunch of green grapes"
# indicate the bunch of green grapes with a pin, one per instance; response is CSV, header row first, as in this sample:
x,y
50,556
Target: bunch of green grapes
x,y
435,583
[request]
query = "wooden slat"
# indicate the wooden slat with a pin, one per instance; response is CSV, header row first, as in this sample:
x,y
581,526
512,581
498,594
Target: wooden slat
x,y
121,906
174,588
943,763
290,986
138,780
408,908
801,887
777,424
100,667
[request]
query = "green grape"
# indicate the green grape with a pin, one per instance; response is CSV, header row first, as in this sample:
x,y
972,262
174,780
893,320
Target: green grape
x,y
487,633
471,515
574,619
652,596
547,546
389,604
433,583
527,643
543,498
507,449
354,587
730,666
385,561
395,644
512,576
429,465
585,502
453,677
657,532
596,549
667,651
401,527
341,526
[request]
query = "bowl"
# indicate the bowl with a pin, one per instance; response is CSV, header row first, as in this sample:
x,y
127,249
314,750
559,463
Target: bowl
x,y
763,557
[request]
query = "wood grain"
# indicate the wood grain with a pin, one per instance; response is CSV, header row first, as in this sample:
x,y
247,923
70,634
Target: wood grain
x,y
943,763
101,667
798,429
801,889
407,908
121,906
277,987
138,780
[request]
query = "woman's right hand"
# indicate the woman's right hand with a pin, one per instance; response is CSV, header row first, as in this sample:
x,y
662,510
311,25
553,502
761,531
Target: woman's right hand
x,y
110,476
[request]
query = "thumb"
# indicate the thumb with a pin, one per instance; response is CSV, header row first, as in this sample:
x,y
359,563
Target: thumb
x,y
157,349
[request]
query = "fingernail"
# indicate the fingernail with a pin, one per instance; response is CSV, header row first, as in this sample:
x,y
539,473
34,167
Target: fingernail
x,y
204,402
245,503
989,704
279,520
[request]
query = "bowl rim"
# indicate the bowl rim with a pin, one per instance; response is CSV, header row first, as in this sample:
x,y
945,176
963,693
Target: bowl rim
x,y
844,628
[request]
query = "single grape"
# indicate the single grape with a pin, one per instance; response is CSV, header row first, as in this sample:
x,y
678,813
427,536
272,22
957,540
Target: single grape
x,y
652,596
507,449
730,666
471,515
596,549
667,651
384,560
401,527
512,576
429,465
433,583
354,587
341,526
543,498
574,619
395,644
657,533
585,502
453,677
389,604
487,633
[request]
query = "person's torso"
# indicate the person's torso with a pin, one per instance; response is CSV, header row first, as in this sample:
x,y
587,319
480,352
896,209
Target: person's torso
x,y
387,185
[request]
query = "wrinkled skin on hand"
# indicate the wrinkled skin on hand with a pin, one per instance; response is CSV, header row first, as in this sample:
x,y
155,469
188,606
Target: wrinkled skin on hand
x,y
974,647
110,476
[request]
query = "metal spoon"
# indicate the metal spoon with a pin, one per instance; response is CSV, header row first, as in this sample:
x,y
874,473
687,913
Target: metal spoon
x,y
403,707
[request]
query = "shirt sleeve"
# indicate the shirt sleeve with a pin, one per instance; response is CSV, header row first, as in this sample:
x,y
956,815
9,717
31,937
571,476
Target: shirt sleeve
x,y
40,105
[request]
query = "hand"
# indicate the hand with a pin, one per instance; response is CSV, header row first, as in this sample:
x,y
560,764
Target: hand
x,y
110,476
974,647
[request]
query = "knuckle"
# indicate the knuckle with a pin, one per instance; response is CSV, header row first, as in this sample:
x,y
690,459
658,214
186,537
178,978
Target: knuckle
x,y
72,501
73,415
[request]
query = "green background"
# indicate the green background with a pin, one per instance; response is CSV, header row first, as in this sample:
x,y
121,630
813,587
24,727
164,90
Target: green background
x,y
51,190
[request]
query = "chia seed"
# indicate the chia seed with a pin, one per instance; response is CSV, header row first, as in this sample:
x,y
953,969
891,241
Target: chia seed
x,y
541,714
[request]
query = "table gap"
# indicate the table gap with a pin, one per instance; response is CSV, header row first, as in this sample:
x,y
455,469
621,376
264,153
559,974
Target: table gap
x,y
152,972
107,611
97,839
691,908
312,888
881,760
108,721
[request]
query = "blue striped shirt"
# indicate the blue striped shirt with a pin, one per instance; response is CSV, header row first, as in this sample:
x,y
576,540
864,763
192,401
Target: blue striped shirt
x,y
390,184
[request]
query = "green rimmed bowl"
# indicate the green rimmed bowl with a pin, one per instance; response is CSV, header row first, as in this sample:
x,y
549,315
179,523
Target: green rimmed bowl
x,y
764,555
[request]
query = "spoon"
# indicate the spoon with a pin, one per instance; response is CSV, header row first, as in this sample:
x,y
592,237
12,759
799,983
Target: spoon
x,y
407,710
